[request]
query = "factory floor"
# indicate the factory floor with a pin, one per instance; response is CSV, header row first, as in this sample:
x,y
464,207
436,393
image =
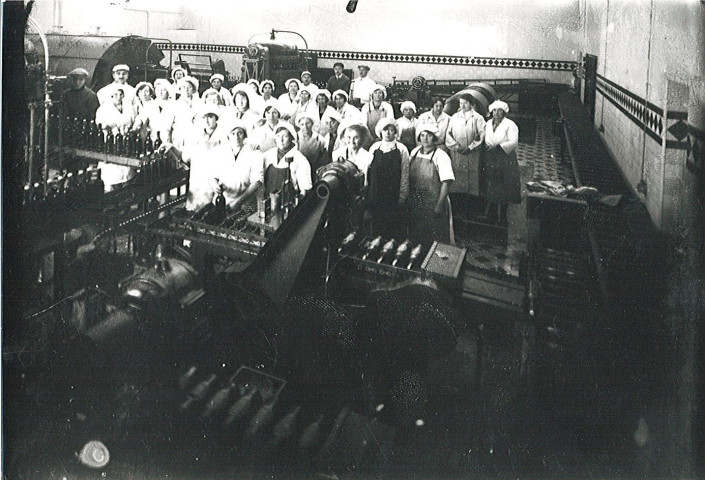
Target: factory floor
x,y
487,416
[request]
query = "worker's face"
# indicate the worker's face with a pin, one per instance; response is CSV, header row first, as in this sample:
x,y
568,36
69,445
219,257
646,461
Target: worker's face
x,y
145,94
339,101
304,96
427,139
284,140
378,95
389,133
306,125
293,88
267,90
322,100
118,96
216,83
352,138
237,137
306,79
121,76
211,120
437,107
363,72
272,115
189,89
498,114
338,70
464,105
212,99
178,75
77,81
162,93
241,101
333,125
408,113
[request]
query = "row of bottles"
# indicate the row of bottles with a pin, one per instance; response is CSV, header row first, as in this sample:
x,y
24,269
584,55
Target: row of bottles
x,y
66,190
376,250
89,135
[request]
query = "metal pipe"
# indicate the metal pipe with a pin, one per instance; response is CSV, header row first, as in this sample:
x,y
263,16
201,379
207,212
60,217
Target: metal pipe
x,y
30,149
47,100
58,6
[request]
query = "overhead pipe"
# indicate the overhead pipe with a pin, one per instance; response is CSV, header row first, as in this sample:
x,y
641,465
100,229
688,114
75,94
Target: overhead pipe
x,y
58,13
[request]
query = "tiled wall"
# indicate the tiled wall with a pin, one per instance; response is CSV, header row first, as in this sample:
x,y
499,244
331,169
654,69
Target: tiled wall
x,y
385,67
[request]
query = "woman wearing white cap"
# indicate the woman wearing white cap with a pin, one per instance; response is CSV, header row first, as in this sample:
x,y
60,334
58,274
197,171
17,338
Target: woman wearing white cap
x,y
439,118
216,82
176,74
376,110
407,125
266,89
331,140
243,99
144,93
322,110
285,165
264,137
242,172
185,110
345,109
159,113
305,103
288,100
430,177
354,137
388,180
466,132
310,143
501,183
115,116
200,152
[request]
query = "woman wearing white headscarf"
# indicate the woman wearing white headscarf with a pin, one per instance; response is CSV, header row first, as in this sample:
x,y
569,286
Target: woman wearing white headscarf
x,y
264,137
288,100
305,104
158,115
321,111
242,170
375,110
440,119
176,75
285,162
243,98
185,109
466,131
407,125
501,183
344,109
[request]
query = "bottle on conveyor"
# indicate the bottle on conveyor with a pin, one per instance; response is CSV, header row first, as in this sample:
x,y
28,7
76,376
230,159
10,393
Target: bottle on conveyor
x,y
242,407
198,393
220,400
401,252
387,248
374,245
119,144
415,254
347,242
110,142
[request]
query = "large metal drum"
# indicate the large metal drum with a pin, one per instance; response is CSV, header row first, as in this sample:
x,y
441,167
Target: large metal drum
x,y
482,94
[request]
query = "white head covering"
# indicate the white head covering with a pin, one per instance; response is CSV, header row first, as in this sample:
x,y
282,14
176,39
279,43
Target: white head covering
x,y
79,72
236,123
265,82
323,91
304,114
426,127
408,104
348,122
210,110
121,66
161,81
311,89
254,83
499,104
343,93
177,69
190,80
380,87
289,127
216,76
305,72
331,113
141,85
286,84
384,122
247,90
272,103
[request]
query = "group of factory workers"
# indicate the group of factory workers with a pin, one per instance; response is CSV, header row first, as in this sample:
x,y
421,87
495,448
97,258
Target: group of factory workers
x,y
237,140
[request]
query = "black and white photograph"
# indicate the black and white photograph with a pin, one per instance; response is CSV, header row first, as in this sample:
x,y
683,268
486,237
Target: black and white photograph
x,y
353,239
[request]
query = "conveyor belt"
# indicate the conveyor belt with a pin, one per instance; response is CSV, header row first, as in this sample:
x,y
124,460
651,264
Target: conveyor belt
x,y
624,236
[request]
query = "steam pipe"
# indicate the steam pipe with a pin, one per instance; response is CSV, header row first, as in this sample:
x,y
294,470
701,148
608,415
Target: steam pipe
x,y
47,100
57,15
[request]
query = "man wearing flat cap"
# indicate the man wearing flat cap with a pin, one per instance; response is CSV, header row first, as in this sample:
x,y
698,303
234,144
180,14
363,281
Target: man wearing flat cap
x,y
362,87
79,101
121,73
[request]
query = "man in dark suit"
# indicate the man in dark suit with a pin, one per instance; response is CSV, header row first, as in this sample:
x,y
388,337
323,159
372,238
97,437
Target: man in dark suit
x,y
339,81
79,101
